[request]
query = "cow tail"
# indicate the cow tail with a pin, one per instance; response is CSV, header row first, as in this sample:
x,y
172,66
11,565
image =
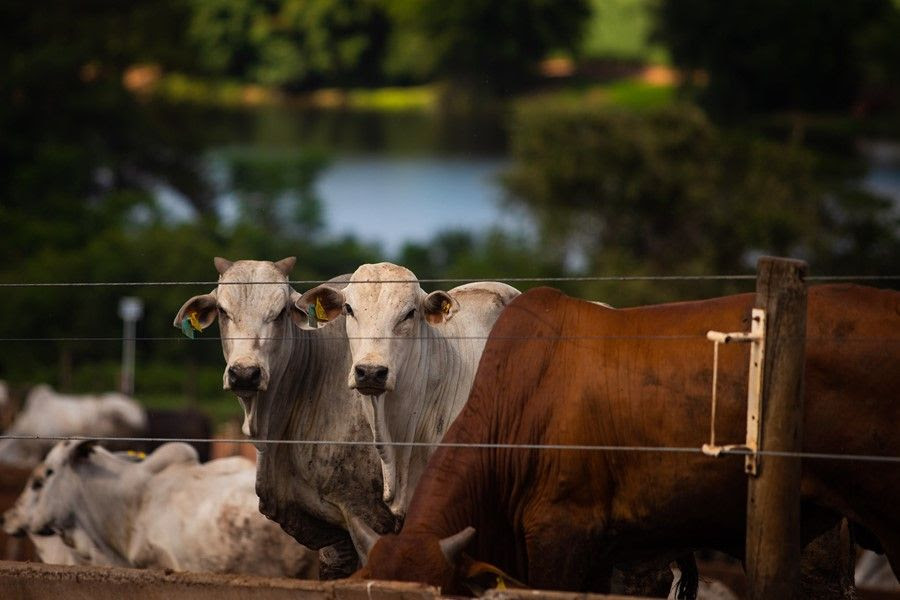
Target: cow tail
x,y
689,580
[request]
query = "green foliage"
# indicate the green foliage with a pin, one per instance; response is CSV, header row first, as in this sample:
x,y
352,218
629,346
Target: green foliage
x,y
667,191
290,43
482,44
770,55
465,255
621,29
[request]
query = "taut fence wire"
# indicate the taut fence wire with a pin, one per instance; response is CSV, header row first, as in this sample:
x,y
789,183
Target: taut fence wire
x,y
445,280
475,445
486,446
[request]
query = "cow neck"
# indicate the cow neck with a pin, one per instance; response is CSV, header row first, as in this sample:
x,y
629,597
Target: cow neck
x,y
110,508
430,392
307,488
458,490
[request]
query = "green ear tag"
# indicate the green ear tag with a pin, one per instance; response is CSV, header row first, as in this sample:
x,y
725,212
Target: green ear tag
x,y
186,328
311,319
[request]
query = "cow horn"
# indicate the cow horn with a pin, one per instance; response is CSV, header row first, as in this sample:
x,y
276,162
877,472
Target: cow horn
x,y
453,545
363,536
286,264
222,264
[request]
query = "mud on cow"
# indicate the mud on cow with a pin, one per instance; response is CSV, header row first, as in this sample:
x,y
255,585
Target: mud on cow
x,y
166,511
414,358
559,371
291,382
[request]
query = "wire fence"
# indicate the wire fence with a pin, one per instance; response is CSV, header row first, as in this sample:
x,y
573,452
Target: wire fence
x,y
598,278
472,445
439,444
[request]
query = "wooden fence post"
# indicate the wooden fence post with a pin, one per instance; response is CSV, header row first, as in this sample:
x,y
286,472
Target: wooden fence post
x,y
773,497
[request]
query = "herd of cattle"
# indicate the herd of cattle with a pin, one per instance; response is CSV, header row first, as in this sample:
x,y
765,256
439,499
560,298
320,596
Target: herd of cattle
x,y
347,388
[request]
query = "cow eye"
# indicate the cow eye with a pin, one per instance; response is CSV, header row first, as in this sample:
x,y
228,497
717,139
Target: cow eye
x,y
37,484
48,473
348,311
409,315
223,313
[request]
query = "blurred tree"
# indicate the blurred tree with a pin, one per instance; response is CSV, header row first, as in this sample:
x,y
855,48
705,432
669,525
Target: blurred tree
x,y
771,55
462,254
483,44
291,43
669,192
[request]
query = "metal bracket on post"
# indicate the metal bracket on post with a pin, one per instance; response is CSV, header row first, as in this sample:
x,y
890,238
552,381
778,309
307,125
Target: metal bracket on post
x,y
757,340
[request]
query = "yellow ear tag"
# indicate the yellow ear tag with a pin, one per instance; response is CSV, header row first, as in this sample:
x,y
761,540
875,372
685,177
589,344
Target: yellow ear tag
x,y
321,315
137,454
195,322
445,307
501,584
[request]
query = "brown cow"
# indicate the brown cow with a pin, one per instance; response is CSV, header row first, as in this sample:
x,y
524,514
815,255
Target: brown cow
x,y
562,371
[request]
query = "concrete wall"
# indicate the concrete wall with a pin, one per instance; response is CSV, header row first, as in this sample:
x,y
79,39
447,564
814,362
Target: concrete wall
x,y
37,581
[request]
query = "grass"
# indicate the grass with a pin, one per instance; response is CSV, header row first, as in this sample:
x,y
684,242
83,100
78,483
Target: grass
x,y
621,30
637,95
631,94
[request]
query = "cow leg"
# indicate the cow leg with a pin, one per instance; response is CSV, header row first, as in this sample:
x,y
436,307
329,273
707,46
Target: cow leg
x,y
651,579
827,565
338,560
567,553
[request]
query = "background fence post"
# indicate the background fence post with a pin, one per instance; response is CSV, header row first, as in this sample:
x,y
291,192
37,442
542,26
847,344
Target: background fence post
x,y
773,497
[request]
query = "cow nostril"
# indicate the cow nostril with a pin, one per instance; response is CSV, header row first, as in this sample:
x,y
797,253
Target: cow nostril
x,y
244,377
371,373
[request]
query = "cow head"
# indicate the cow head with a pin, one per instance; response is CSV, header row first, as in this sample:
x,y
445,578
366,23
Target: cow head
x,y
16,520
425,558
55,494
48,503
386,310
254,305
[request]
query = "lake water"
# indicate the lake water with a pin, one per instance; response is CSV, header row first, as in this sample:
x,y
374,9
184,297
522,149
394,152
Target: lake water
x,y
391,200
398,177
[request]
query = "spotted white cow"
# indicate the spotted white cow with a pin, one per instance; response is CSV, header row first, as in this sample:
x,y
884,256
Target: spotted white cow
x,y
49,413
166,511
291,382
414,359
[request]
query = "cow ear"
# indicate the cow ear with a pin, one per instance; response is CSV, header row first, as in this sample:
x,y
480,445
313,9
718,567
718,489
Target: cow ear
x,y
285,265
205,307
363,536
439,307
81,451
329,299
169,454
481,576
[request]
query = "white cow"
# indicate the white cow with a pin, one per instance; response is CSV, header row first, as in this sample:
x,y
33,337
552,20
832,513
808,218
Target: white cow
x,y
414,359
49,413
291,383
167,511
49,544
873,572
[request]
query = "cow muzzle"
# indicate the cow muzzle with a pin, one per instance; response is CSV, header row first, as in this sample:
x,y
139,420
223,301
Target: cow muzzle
x,y
370,380
245,379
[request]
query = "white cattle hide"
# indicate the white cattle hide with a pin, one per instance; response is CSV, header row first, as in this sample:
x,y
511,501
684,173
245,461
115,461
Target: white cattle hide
x,y
290,381
414,359
873,572
167,511
48,413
